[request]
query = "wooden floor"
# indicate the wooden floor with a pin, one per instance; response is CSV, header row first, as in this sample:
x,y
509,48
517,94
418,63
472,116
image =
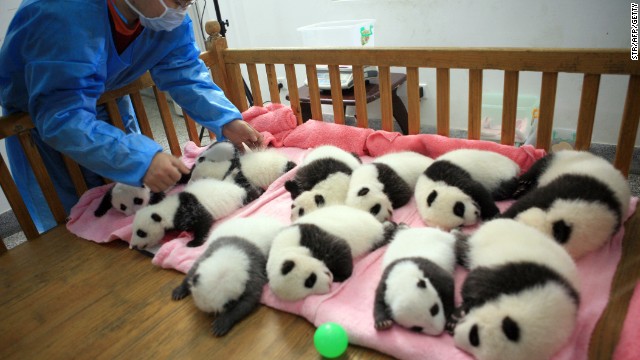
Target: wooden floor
x,y
64,297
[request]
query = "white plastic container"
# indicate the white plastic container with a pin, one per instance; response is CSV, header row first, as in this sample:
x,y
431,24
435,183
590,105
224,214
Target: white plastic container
x,y
348,33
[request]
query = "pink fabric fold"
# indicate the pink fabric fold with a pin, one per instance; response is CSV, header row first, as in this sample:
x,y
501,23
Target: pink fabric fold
x,y
274,121
315,133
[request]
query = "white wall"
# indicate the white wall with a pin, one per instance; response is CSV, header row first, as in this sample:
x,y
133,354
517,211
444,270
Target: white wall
x,y
457,23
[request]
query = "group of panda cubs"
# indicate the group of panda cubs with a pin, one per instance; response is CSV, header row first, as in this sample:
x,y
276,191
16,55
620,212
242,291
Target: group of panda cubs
x,y
520,297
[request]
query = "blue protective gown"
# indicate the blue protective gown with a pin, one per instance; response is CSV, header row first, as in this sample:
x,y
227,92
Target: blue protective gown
x,y
58,57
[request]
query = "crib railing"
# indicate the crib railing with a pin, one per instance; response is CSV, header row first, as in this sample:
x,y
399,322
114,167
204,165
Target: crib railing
x,y
592,63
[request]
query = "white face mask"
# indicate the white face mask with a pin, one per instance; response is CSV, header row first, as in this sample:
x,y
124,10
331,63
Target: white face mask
x,y
167,21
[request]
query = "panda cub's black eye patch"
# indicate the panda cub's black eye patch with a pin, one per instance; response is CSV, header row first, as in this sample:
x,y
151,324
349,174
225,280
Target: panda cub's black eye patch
x,y
137,201
287,266
156,217
141,233
311,281
200,159
319,200
422,284
300,212
375,209
510,329
435,309
432,197
474,338
364,191
458,209
123,207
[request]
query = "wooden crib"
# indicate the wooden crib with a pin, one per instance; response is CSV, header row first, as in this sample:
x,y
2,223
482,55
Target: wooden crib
x,y
58,299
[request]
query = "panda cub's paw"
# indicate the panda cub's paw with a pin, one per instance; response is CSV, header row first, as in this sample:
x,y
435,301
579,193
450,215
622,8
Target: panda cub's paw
x,y
181,292
383,324
454,318
221,325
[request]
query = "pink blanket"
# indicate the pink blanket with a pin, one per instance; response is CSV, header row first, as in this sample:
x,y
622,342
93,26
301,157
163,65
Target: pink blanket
x,y
351,302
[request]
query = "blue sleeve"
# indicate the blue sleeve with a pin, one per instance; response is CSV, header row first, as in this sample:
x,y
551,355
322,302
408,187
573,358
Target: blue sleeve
x,y
189,82
65,74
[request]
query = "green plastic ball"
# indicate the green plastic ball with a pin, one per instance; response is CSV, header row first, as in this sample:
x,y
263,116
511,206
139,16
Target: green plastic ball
x,y
331,340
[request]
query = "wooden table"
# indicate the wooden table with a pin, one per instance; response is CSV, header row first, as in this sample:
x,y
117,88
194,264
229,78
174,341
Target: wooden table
x,y
348,99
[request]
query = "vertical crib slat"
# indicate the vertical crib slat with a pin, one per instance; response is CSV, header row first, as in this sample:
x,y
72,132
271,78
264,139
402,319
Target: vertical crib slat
x,y
254,80
587,114
413,95
509,107
192,131
386,107
360,95
336,94
236,87
628,126
76,175
547,105
475,103
114,114
442,101
15,201
294,96
314,92
167,122
42,176
272,80
218,69
141,114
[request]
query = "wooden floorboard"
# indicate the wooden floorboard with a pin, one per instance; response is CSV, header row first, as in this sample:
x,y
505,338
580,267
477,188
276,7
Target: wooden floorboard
x,y
65,297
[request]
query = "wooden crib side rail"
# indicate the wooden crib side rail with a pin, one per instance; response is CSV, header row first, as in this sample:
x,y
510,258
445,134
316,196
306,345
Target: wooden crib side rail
x,y
548,62
21,124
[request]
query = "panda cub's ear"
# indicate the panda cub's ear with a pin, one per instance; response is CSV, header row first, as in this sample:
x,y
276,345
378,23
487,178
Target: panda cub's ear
x,y
105,204
156,197
293,188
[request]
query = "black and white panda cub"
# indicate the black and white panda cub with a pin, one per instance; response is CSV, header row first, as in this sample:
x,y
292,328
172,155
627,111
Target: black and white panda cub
x,y
576,197
387,183
317,249
321,180
521,297
217,153
193,209
127,199
460,188
417,287
228,278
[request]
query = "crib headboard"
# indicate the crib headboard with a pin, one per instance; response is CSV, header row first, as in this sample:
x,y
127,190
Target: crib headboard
x,y
592,63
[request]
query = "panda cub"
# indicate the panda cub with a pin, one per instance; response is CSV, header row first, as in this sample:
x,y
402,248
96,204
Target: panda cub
x,y
520,299
576,197
387,183
217,153
228,278
127,199
417,286
193,209
317,249
460,188
325,171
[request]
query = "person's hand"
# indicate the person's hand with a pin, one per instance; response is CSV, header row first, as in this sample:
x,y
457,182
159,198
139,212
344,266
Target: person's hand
x,y
165,170
239,131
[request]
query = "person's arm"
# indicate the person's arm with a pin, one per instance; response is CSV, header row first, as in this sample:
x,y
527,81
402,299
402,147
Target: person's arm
x,y
189,82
